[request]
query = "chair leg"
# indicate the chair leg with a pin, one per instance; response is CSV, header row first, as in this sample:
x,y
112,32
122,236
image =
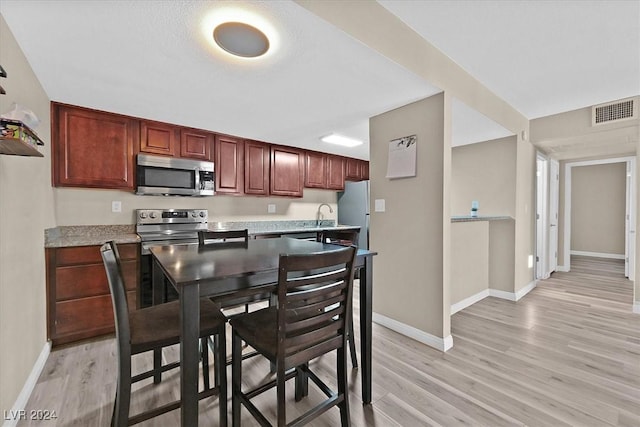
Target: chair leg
x,y
204,354
280,390
236,377
218,358
352,345
157,365
221,375
343,387
120,416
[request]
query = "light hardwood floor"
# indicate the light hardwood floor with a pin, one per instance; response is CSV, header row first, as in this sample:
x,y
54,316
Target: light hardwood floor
x,y
568,353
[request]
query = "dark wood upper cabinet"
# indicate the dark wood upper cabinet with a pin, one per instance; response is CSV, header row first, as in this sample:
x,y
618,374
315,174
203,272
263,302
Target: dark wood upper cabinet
x,y
92,148
195,144
287,171
364,169
229,164
158,138
353,170
335,172
315,171
256,168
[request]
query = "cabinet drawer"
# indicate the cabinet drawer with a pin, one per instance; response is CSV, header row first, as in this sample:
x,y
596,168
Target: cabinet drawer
x,y
91,254
90,280
86,314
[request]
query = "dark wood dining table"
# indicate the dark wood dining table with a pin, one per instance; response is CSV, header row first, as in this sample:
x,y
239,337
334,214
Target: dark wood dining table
x,y
240,268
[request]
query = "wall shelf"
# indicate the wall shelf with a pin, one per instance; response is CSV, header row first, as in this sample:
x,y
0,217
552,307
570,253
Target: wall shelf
x,y
17,139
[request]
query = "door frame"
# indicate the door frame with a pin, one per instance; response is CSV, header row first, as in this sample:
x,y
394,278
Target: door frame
x,y
567,203
554,215
542,213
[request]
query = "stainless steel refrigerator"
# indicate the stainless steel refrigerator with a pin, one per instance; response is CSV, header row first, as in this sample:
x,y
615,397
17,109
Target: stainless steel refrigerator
x,y
353,209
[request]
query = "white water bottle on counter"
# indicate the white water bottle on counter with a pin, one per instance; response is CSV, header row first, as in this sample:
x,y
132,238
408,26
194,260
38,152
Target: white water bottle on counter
x,y
474,209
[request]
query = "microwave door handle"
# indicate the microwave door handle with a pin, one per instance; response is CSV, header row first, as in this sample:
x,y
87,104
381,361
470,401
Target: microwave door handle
x,y
198,185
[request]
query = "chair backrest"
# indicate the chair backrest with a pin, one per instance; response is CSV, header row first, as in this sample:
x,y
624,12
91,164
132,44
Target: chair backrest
x,y
113,267
339,237
221,236
314,301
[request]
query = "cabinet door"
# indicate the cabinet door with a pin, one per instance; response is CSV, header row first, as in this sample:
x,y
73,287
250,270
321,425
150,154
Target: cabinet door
x,y
335,172
353,170
256,168
195,144
364,169
229,164
287,172
93,148
158,138
315,171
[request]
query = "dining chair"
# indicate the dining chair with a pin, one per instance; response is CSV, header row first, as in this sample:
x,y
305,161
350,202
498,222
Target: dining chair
x,y
222,236
349,238
309,320
151,329
227,238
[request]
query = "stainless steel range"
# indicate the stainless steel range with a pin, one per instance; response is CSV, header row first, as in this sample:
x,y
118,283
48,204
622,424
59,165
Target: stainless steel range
x,y
159,227
169,226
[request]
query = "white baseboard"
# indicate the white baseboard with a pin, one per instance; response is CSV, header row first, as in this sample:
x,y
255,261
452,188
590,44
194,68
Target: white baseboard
x,y
636,307
526,289
597,254
29,385
442,344
562,268
513,296
461,305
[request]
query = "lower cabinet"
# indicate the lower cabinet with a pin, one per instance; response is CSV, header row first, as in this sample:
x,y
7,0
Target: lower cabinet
x,y
78,297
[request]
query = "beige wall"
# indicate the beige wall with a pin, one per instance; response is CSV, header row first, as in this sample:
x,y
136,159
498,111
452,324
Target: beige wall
x,y
469,259
88,206
26,209
409,235
598,208
524,227
485,172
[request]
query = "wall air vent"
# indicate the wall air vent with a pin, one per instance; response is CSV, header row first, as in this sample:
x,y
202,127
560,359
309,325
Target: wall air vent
x,y
614,111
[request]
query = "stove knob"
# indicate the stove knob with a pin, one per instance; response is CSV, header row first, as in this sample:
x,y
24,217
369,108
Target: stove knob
x,y
152,215
193,214
143,215
202,214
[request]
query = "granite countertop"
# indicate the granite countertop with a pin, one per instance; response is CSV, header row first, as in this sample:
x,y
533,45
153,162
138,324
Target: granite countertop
x,y
89,235
258,228
468,218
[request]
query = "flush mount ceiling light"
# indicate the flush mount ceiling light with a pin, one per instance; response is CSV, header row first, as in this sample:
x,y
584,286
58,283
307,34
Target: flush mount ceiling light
x,y
241,39
341,140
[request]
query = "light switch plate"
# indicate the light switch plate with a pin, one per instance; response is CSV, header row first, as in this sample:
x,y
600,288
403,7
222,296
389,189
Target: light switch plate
x,y
379,205
271,208
116,206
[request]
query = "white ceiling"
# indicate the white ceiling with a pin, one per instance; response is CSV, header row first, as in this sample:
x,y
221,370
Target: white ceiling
x,y
153,59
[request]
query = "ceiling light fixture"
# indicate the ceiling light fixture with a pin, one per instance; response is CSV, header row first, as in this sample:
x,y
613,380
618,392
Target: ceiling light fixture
x,y
241,39
341,140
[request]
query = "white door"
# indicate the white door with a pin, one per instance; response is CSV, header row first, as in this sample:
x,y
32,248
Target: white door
x,y
554,195
541,217
630,222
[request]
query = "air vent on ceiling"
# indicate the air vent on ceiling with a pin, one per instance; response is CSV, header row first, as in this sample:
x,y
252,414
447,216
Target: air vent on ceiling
x,y
614,111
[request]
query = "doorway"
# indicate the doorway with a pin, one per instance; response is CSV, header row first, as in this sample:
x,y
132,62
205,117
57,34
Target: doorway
x,y
629,216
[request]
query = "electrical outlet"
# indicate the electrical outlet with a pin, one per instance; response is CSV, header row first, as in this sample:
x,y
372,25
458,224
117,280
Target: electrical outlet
x,y
116,206
379,205
271,208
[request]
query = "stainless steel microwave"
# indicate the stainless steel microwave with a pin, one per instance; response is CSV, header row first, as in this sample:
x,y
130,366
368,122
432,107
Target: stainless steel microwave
x,y
164,176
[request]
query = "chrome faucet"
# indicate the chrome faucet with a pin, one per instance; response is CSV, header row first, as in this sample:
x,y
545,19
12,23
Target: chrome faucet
x,y
318,214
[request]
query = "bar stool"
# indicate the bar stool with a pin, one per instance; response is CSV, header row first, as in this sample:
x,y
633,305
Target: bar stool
x,y
153,328
310,319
